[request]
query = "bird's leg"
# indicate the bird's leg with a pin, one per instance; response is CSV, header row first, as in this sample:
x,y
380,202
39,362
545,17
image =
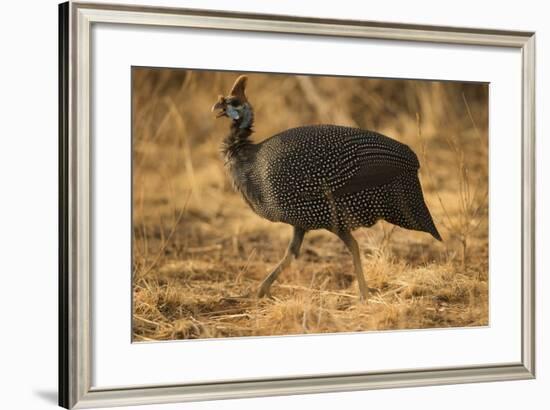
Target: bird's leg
x,y
352,246
291,253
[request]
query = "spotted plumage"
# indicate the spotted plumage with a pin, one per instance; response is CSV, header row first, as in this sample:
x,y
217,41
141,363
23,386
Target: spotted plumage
x,y
322,177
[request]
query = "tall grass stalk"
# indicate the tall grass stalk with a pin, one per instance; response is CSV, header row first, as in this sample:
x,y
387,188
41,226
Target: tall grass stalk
x,y
472,197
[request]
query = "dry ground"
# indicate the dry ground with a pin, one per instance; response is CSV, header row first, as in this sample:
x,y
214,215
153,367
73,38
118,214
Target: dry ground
x,y
199,253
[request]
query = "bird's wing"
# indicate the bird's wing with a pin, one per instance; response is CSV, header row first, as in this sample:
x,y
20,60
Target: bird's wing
x,y
376,161
315,161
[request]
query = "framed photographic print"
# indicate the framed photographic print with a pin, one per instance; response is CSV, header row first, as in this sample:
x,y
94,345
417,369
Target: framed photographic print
x,y
304,205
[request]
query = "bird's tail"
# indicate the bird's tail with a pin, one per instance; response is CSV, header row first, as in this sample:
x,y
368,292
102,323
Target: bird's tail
x,y
408,208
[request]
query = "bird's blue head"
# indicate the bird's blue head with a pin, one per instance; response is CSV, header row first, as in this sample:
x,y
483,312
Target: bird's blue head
x,y
236,105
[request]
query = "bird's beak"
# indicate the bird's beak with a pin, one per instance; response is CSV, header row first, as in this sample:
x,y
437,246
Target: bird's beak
x,y
220,105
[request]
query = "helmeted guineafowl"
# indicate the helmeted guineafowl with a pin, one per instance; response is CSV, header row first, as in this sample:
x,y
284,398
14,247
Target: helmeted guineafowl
x,y
322,177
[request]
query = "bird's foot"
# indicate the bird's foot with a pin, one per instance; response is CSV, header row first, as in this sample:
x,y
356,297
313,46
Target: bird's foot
x,y
237,298
264,291
246,296
364,295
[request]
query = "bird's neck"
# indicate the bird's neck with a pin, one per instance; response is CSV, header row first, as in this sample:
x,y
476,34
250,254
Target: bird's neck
x,y
239,135
239,154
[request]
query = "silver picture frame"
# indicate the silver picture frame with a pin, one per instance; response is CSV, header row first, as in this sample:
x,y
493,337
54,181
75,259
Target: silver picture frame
x,y
75,331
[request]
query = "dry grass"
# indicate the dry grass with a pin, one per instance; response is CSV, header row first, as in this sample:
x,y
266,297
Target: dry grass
x,y
199,252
